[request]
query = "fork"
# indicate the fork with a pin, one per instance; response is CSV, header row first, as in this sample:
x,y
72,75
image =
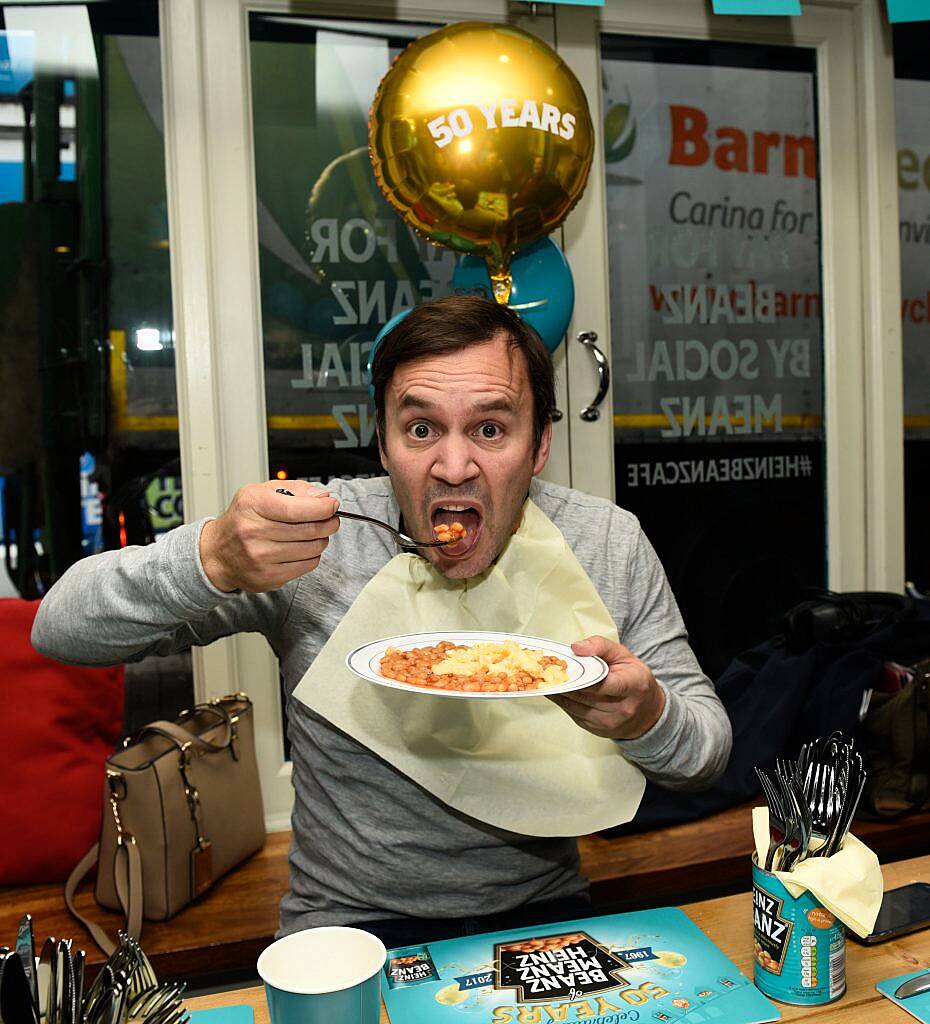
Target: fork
x,y
820,790
402,538
777,831
797,821
846,810
157,1004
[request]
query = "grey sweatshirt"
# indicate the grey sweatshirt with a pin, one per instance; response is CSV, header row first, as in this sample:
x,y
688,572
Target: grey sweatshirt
x,y
368,843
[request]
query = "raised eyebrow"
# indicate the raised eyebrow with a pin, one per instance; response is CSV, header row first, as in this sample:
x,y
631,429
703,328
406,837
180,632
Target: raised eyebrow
x,y
495,405
414,401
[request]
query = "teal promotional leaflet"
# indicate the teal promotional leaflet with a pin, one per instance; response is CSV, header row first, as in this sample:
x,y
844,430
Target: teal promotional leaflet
x,y
916,1006
653,966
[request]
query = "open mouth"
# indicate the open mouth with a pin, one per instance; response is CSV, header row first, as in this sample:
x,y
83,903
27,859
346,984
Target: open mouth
x,y
468,516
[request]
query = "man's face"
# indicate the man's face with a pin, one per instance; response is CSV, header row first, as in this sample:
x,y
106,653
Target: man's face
x,y
458,447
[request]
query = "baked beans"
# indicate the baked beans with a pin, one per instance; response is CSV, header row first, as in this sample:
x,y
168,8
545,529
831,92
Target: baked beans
x,y
415,667
450,533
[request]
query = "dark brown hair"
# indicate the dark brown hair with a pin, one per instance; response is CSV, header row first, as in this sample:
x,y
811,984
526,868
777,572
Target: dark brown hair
x,y
450,325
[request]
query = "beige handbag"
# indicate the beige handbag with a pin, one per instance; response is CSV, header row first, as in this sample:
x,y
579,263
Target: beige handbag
x,y
182,806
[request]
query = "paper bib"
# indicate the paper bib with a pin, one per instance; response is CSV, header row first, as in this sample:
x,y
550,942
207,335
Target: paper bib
x,y
520,765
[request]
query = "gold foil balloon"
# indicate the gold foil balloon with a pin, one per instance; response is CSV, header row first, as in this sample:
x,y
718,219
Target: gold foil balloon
x,y
481,138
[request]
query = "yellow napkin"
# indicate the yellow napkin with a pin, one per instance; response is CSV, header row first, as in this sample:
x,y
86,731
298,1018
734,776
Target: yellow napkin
x,y
849,883
518,764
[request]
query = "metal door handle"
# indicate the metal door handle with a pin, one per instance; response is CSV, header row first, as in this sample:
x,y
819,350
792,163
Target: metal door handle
x,y
591,412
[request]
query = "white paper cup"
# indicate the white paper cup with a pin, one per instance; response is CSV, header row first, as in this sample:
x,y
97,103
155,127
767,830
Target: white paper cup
x,y
323,975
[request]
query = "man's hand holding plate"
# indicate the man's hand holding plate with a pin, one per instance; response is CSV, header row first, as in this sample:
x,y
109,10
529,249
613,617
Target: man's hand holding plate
x,y
625,704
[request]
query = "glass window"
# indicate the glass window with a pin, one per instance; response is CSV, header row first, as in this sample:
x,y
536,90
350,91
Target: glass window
x,y
715,300
912,102
336,261
88,424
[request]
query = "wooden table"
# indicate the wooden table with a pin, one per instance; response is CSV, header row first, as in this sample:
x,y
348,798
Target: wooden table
x,y
226,929
728,921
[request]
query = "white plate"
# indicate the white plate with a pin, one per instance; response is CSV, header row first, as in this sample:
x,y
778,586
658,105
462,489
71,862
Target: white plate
x,y
364,662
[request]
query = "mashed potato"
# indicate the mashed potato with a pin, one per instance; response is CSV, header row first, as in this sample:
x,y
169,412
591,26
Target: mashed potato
x,y
507,658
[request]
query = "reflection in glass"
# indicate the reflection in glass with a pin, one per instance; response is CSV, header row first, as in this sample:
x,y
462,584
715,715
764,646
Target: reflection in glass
x,y
336,261
714,255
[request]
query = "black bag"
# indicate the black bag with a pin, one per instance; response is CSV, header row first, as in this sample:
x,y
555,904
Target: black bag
x,y
805,682
833,618
896,746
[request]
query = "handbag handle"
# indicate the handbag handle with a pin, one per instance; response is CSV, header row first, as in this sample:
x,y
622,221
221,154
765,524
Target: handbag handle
x,y
127,873
184,738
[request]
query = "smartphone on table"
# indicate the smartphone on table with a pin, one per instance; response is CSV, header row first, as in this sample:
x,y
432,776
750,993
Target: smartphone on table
x,y
903,910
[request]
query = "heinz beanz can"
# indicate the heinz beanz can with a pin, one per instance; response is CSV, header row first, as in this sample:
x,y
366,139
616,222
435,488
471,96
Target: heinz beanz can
x,y
799,947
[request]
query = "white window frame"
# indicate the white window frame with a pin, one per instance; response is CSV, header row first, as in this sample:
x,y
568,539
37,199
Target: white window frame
x,y
216,287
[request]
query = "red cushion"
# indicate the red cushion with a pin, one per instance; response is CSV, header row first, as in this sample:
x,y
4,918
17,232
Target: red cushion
x,y
59,724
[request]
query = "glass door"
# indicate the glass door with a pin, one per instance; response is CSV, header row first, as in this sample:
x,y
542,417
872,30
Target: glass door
x,y
715,308
715,159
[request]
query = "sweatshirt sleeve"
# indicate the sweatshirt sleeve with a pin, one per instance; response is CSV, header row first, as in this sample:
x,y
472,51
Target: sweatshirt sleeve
x,y
689,746
154,599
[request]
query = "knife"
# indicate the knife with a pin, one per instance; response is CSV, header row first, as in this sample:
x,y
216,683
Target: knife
x,y
16,1005
78,994
48,981
66,972
5,954
914,986
26,948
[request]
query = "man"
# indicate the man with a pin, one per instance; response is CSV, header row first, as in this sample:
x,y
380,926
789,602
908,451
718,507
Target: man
x,y
464,395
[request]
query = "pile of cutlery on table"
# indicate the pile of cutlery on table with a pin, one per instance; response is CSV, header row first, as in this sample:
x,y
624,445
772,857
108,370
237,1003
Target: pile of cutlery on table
x,y
53,989
811,801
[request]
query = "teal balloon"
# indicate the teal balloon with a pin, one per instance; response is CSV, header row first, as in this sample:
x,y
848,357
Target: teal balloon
x,y
385,330
543,291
